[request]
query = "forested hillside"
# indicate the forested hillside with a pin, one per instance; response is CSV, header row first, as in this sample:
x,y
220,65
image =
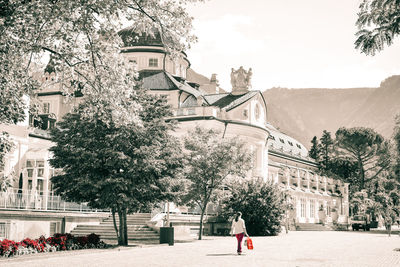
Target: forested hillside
x,y
305,112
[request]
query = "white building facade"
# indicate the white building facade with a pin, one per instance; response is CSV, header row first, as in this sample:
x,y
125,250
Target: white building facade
x,y
241,112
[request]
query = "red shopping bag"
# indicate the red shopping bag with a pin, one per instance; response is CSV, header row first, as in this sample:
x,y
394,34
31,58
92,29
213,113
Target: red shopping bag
x,y
249,243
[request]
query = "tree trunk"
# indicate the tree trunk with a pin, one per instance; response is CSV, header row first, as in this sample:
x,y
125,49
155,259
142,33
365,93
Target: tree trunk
x,y
362,174
115,224
125,227
203,210
201,223
122,241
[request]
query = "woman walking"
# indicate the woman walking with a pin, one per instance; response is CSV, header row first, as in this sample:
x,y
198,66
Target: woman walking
x,y
239,230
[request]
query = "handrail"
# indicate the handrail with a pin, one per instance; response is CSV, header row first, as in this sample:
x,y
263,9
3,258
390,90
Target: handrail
x,y
33,200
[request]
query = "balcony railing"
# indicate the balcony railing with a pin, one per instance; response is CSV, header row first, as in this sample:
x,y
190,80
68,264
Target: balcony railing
x,y
29,200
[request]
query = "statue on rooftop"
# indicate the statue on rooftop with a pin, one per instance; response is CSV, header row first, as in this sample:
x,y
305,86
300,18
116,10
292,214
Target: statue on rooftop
x,y
241,80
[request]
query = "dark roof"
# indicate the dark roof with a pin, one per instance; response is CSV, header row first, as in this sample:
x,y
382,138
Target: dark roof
x,y
226,100
165,81
131,38
229,101
159,81
211,99
51,66
147,73
190,101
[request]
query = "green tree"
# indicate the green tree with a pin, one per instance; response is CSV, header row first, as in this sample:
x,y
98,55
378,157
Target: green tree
x,y
329,162
124,167
82,39
262,205
210,160
314,150
343,168
325,149
367,148
361,202
6,145
396,138
378,24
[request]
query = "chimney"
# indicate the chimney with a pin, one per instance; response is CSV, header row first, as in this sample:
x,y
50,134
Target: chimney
x,y
214,82
213,79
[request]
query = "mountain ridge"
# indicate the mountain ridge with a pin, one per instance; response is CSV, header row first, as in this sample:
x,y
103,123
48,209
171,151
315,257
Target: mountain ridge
x,y
329,109
305,112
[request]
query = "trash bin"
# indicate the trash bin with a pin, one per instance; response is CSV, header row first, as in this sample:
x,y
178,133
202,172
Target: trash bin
x,y
167,235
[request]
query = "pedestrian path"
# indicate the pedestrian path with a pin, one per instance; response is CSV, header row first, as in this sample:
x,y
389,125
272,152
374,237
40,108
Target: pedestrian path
x,y
293,249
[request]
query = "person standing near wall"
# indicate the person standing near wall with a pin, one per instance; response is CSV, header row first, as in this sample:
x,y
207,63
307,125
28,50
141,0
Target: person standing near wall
x,y
239,230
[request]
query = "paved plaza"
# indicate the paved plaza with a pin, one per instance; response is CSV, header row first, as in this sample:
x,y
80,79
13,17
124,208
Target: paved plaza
x,y
293,249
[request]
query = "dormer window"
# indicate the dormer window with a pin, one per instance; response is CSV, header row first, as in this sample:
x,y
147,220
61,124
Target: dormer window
x,y
245,114
153,62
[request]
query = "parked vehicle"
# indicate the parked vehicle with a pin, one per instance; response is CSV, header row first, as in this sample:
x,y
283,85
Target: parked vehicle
x,y
360,221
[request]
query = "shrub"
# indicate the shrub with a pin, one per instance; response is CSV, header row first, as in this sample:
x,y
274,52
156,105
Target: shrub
x,y
93,239
10,248
82,241
262,205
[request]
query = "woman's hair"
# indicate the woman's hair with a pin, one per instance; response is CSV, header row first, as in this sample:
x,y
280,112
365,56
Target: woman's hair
x,y
238,214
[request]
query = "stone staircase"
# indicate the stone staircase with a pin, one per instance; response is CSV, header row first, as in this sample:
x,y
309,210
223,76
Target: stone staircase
x,y
138,231
191,222
185,218
312,227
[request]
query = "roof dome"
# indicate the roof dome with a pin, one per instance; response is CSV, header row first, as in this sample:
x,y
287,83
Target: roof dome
x,y
131,38
281,142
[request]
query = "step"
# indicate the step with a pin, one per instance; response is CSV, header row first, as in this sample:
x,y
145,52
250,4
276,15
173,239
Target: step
x,y
128,222
138,231
111,227
135,242
130,219
312,227
113,232
138,215
114,235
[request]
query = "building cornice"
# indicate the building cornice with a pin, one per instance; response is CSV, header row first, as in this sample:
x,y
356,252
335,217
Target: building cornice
x,y
290,157
39,136
197,118
50,93
151,49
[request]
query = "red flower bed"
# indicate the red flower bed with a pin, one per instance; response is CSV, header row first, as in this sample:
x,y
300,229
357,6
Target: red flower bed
x,y
10,248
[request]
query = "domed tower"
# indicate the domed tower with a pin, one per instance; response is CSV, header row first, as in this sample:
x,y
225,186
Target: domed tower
x,y
148,54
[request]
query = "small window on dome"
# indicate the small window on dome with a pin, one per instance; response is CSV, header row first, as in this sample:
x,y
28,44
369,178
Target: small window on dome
x,y
245,114
153,62
133,62
299,146
272,137
290,143
282,141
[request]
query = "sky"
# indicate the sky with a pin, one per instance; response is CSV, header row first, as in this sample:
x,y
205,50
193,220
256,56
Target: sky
x,y
287,43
